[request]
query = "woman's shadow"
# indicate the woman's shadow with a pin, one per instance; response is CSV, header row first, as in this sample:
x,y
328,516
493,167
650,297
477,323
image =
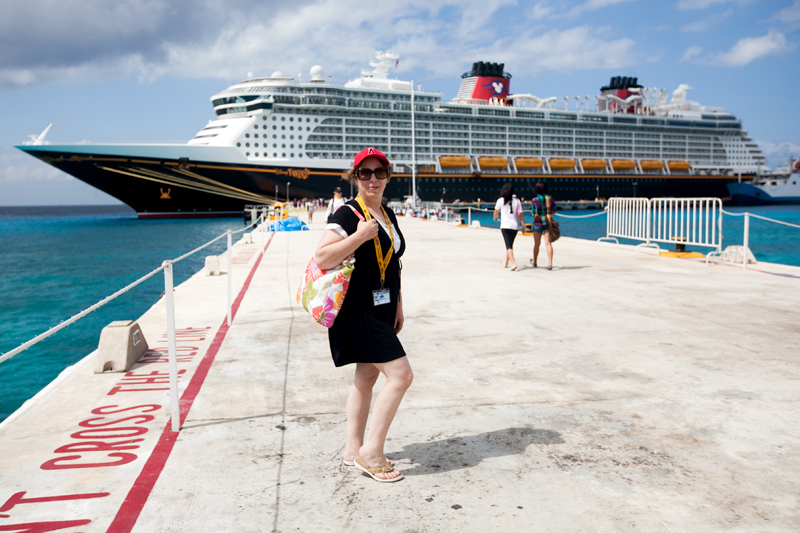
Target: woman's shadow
x,y
465,452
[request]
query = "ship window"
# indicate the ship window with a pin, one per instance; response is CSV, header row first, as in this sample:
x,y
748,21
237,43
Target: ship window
x,y
283,146
256,154
275,154
283,155
300,146
275,118
247,144
291,155
274,127
316,120
256,145
300,137
247,154
256,126
308,129
283,127
275,145
283,119
255,135
247,135
265,118
291,128
299,155
291,119
308,120
291,136
238,144
291,146
274,136
283,136
264,126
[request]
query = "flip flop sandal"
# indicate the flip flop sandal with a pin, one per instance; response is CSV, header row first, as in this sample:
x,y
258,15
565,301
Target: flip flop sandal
x,y
362,465
345,462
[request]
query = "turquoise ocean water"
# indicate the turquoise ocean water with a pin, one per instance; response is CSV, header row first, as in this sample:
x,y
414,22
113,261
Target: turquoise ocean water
x,y
57,261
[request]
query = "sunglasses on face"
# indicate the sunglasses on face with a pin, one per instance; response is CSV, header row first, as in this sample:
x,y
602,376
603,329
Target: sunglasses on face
x,y
364,174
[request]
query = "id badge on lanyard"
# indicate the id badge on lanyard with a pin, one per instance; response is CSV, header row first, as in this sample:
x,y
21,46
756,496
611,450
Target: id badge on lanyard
x,y
381,296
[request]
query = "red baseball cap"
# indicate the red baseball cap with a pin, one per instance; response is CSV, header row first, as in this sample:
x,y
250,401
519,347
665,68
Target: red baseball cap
x,y
370,152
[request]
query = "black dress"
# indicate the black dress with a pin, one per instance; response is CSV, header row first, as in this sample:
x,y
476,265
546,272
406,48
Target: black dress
x,y
363,332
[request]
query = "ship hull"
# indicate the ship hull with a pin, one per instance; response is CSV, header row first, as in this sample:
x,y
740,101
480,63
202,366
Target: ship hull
x,y
198,186
745,194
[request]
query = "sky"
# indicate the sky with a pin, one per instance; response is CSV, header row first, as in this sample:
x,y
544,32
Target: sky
x,y
109,71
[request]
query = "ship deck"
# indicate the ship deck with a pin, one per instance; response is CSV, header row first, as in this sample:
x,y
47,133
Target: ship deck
x,y
618,391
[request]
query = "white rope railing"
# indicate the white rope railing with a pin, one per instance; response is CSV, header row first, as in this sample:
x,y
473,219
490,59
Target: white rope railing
x,y
168,297
581,216
762,218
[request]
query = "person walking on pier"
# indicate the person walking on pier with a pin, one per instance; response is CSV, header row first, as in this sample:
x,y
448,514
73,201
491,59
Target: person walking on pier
x,y
336,202
509,209
365,330
542,209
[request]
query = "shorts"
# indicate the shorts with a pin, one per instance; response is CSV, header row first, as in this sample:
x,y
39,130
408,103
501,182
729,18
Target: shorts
x,y
538,229
509,235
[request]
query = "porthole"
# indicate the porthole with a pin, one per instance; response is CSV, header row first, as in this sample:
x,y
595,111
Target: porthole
x,y
265,118
247,144
300,146
247,154
275,154
256,126
300,137
283,136
291,155
291,146
308,129
274,118
238,144
247,135
283,119
283,127
299,155
256,145
264,126
291,128
316,120
274,136
256,154
274,127
255,135
274,145
291,136
308,120
283,155
291,119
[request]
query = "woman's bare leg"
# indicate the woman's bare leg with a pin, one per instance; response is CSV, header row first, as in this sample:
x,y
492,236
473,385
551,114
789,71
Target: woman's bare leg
x,y
510,258
537,240
398,379
549,247
358,402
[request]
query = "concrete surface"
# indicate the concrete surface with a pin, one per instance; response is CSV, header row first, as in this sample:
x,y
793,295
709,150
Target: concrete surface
x,y
618,392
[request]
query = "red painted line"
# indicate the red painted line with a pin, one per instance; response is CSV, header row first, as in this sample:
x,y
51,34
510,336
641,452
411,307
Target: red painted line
x,y
140,492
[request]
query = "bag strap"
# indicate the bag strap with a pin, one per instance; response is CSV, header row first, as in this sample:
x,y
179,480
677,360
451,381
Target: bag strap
x,y
359,215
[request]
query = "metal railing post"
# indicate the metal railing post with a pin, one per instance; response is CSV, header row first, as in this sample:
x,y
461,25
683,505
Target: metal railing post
x,y
746,243
173,360
469,216
230,282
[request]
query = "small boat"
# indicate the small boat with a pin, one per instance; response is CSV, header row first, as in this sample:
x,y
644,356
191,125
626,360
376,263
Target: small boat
x,y
623,164
779,187
680,166
649,165
593,164
493,162
561,163
454,161
528,162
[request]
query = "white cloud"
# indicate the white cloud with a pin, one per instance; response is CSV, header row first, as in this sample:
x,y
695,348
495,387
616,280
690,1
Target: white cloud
x,y
699,4
540,10
778,153
691,53
17,167
789,15
751,48
704,24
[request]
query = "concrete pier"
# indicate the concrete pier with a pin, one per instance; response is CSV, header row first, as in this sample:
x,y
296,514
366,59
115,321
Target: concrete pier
x,y
617,392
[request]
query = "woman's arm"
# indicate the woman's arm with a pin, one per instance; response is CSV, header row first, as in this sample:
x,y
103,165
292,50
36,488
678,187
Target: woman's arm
x,y
333,248
399,319
496,212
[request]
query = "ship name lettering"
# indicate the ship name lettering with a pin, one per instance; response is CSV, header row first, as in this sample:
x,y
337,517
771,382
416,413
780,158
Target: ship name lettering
x,y
300,174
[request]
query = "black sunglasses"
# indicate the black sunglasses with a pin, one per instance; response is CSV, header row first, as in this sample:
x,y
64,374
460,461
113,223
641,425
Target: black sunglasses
x,y
364,174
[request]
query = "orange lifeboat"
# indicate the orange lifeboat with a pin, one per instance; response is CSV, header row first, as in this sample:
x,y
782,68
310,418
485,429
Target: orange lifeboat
x,y
679,165
561,163
493,162
651,164
529,162
454,161
593,164
623,164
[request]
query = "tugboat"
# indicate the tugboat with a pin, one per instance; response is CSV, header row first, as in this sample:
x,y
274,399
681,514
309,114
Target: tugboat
x,y
781,186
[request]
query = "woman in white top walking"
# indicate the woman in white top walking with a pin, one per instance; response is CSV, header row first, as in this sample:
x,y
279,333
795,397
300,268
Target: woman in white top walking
x,y
509,209
335,203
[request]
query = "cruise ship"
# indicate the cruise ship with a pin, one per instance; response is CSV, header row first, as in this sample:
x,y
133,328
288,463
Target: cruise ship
x,y
283,136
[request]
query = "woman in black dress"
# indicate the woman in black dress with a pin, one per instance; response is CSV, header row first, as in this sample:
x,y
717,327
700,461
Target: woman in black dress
x,y
365,331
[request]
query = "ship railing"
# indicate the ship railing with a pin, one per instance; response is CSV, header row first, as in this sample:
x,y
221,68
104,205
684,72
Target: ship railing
x,y
744,254
166,267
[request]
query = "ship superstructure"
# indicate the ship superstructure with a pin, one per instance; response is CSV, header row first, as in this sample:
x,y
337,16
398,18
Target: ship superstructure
x,y
280,129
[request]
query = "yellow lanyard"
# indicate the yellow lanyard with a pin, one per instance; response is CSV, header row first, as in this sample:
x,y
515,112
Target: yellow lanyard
x,y
383,262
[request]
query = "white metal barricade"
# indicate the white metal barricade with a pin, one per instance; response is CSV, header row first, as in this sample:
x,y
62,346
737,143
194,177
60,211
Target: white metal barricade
x,y
686,221
628,218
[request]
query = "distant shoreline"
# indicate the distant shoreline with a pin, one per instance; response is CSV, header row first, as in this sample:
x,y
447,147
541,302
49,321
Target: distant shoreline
x,y
64,210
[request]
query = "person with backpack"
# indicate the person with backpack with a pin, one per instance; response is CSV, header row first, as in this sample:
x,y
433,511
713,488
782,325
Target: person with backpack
x,y
542,209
